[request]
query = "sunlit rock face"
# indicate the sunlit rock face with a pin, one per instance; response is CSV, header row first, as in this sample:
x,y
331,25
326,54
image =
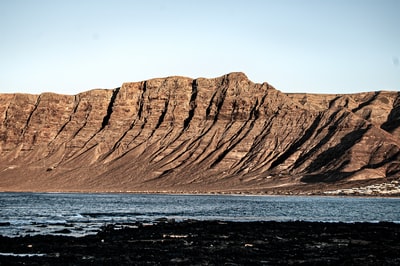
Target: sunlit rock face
x,y
179,134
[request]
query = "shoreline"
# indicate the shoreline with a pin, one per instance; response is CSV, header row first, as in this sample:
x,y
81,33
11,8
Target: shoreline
x,y
195,242
384,189
322,194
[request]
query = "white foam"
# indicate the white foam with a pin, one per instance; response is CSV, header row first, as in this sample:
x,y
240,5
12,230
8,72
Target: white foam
x,y
22,254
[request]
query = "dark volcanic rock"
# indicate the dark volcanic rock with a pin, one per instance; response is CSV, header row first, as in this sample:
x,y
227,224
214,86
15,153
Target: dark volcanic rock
x,y
178,134
214,243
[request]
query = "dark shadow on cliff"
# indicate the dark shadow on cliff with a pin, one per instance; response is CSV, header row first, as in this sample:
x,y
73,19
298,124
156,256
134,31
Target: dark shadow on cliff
x,y
334,158
328,177
393,120
296,145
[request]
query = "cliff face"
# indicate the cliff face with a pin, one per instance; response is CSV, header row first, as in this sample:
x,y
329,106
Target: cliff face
x,y
179,134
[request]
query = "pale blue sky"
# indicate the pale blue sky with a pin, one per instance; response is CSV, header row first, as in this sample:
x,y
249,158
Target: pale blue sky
x,y
70,46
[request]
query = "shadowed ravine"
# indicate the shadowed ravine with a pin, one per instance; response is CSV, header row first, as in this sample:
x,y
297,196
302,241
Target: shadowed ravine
x,y
179,134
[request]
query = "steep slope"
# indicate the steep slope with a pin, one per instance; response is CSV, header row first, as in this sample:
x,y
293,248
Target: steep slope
x,y
178,134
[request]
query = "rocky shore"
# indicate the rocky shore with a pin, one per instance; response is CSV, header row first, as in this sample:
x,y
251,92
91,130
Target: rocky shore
x,y
213,243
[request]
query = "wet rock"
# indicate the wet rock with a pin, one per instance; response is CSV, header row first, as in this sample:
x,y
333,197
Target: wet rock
x,y
62,231
212,242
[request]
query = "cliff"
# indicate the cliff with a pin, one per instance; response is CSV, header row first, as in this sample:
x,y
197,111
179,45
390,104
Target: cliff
x,y
179,134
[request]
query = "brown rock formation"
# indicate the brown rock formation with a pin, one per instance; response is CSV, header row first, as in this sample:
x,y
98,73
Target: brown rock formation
x,y
178,134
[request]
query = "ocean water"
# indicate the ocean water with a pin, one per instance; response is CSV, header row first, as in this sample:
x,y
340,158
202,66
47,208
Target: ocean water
x,y
82,214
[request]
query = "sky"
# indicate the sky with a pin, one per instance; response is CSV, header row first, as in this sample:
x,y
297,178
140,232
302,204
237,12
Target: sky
x,y
324,46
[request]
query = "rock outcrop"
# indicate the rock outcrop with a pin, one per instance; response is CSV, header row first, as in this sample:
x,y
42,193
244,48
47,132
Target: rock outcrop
x,y
179,134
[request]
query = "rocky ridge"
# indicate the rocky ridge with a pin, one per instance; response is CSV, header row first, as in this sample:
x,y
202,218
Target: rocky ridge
x,y
178,134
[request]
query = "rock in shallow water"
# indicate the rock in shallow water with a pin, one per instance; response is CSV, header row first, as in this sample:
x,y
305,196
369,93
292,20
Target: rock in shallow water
x,y
213,242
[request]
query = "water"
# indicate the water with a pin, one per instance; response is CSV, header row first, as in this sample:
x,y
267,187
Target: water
x,y
82,214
